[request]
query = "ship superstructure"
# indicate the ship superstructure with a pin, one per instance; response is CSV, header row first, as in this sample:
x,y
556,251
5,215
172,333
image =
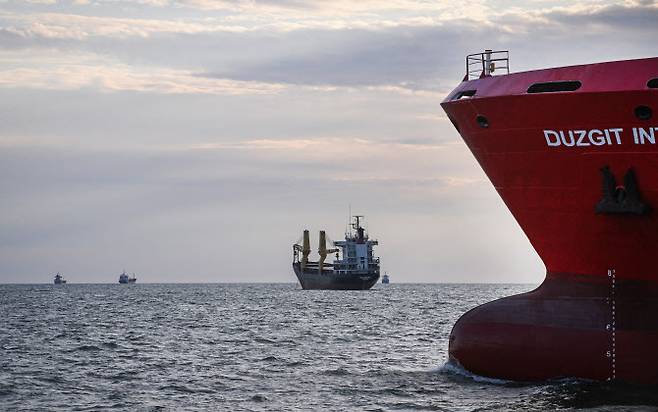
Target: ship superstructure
x,y
573,153
355,266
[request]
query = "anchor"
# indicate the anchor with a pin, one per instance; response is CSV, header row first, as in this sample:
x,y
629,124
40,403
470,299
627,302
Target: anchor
x,y
620,199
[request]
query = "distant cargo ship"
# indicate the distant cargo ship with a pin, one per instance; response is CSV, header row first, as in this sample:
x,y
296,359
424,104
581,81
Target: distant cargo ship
x,y
573,153
357,270
385,279
124,278
59,279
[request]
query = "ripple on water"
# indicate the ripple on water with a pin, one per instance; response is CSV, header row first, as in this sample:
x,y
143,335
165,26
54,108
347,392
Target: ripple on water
x,y
259,347
85,348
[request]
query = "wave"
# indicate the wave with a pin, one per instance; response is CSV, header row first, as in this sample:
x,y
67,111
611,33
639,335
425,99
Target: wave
x,y
85,348
336,372
452,367
186,389
259,398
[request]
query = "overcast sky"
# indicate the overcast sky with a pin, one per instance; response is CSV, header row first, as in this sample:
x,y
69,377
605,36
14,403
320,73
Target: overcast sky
x,y
193,140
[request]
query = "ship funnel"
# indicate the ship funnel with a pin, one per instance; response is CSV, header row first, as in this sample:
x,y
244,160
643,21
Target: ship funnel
x,y
306,249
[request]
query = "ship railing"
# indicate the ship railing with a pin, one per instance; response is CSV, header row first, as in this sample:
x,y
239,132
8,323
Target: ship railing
x,y
479,65
316,264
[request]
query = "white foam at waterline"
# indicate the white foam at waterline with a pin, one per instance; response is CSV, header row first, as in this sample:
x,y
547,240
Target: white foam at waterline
x,y
454,368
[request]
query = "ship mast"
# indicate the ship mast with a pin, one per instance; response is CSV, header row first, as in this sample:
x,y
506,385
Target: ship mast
x,y
357,226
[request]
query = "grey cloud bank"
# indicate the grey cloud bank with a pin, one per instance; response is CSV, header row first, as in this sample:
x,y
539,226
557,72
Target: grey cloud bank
x,y
186,142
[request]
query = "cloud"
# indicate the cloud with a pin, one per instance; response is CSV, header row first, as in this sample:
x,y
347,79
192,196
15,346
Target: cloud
x,y
291,8
358,161
79,27
41,1
408,53
326,146
82,70
637,17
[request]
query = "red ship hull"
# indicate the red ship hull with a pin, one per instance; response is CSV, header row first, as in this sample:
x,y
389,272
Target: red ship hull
x,y
546,152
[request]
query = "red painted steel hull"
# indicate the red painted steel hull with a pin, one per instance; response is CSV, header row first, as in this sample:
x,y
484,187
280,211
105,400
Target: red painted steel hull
x,y
580,322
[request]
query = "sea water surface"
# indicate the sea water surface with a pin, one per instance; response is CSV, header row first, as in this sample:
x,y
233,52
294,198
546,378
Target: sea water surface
x,y
253,347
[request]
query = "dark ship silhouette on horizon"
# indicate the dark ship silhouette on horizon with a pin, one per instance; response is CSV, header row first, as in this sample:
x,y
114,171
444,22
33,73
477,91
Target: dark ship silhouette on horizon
x,y
59,279
124,278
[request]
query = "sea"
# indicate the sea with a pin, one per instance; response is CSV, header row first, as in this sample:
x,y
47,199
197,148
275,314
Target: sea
x,y
261,347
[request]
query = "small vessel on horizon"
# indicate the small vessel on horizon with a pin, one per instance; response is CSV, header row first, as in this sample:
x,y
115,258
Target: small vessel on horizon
x,y
124,278
59,279
357,270
385,279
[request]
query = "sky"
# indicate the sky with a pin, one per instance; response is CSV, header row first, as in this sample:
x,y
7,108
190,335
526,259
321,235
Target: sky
x,y
194,140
